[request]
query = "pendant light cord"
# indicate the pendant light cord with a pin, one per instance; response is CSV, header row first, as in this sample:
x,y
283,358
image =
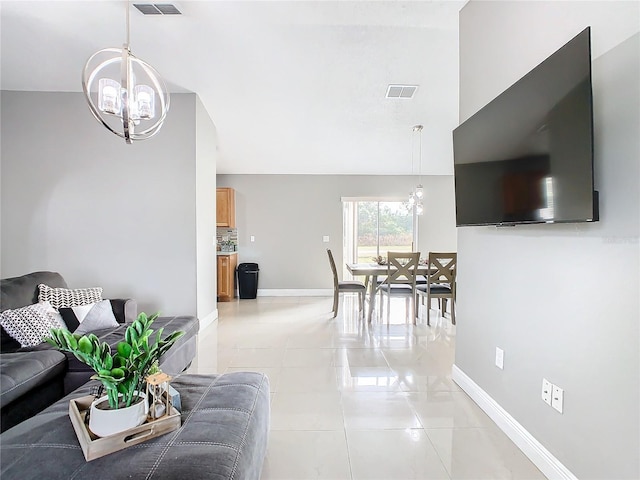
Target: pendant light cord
x,y
413,148
127,4
420,159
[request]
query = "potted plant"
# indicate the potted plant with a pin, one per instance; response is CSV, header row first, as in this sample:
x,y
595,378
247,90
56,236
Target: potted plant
x,y
123,372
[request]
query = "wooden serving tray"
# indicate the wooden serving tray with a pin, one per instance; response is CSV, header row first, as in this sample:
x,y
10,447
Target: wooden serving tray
x,y
95,447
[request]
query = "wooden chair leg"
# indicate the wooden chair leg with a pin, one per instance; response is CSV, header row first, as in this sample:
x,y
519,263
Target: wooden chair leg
x,y
388,309
336,294
428,309
414,309
453,312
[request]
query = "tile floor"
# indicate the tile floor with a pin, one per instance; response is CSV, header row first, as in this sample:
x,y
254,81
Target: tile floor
x,y
357,401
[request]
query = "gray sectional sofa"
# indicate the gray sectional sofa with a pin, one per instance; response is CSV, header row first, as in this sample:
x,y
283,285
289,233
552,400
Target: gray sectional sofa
x,y
32,378
225,418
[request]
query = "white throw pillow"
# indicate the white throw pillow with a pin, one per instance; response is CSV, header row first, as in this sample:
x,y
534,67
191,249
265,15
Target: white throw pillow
x,y
98,317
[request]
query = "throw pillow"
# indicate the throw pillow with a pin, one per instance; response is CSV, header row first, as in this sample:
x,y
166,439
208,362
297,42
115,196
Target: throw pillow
x,y
65,297
30,325
53,312
98,317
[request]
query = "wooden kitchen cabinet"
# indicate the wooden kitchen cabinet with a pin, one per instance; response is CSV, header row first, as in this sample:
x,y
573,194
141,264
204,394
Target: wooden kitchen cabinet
x,y
225,207
226,274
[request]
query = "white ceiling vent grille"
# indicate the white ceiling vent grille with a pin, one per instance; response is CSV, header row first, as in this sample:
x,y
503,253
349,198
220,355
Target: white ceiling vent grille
x,y
401,91
157,9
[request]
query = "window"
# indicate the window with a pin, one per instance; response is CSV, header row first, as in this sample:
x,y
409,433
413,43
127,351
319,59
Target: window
x,y
372,227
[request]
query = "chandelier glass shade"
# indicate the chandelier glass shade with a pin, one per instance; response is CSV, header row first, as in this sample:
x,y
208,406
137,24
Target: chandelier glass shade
x,y
124,93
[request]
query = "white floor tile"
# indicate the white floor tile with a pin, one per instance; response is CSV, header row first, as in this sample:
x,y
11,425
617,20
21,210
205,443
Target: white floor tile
x,y
356,400
377,411
447,410
307,411
408,454
307,456
311,379
481,453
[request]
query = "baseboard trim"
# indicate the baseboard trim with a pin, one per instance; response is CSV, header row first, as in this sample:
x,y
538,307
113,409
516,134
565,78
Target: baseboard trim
x,y
208,320
294,292
549,465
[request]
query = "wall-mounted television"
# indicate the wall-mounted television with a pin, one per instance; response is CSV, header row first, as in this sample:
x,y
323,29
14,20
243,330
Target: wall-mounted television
x,y
527,156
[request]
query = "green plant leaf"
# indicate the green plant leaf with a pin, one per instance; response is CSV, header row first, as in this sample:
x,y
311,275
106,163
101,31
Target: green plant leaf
x,y
85,345
70,340
124,349
108,362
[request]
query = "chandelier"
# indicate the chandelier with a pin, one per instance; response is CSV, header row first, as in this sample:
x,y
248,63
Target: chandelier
x,y
415,197
125,94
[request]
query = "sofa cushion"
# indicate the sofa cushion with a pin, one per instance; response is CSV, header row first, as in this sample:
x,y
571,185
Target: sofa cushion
x,y
173,362
16,292
31,324
24,371
224,433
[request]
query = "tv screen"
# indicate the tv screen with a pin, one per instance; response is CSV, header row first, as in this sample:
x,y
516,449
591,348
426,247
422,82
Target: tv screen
x,y
527,156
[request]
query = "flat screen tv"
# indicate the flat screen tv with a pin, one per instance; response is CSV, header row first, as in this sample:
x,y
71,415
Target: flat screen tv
x,y
527,156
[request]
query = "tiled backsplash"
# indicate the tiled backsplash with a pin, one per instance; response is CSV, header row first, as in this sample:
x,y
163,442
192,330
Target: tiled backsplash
x,y
224,234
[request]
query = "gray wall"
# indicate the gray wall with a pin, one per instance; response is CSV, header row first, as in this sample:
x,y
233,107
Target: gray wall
x,y
76,199
289,214
561,300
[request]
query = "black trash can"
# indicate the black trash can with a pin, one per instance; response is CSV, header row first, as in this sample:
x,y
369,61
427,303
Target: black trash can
x,y
248,280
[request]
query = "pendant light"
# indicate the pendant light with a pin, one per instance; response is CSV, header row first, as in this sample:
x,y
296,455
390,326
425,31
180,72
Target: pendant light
x,y
124,93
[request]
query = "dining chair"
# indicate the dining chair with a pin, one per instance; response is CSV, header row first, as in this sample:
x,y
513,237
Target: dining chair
x,y
441,283
346,286
400,281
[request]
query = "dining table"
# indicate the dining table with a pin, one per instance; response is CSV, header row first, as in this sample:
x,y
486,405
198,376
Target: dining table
x,y
371,272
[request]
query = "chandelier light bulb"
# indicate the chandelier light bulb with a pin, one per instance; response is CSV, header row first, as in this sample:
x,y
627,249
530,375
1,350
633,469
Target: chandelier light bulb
x,y
145,100
419,191
109,96
419,208
412,200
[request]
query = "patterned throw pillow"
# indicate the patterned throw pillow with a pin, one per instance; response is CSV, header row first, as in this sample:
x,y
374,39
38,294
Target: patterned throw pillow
x,y
65,298
30,325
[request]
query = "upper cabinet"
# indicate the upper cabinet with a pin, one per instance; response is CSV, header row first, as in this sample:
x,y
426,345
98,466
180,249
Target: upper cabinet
x,y
225,207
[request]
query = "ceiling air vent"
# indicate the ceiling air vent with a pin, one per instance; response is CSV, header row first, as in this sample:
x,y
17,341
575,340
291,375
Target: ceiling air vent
x,y
157,9
401,91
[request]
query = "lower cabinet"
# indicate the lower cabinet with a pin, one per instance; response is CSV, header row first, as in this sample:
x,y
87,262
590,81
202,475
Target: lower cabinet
x,y
226,274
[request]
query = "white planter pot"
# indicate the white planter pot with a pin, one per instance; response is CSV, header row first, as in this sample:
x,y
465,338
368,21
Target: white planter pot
x,y
109,422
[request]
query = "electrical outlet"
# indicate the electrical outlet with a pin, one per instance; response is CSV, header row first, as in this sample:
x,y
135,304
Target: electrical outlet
x,y
557,398
325,238
499,358
252,238
546,391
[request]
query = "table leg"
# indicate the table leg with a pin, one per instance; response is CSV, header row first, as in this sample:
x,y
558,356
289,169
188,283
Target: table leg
x,y
372,294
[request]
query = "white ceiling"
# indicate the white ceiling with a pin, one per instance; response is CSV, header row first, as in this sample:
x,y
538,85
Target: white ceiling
x,y
292,87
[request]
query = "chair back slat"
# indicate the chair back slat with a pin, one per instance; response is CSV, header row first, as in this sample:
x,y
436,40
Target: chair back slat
x,y
333,268
442,267
401,267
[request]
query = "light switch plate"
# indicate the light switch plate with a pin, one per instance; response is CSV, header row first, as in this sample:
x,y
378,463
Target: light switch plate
x,y
557,398
546,391
252,238
325,238
499,358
